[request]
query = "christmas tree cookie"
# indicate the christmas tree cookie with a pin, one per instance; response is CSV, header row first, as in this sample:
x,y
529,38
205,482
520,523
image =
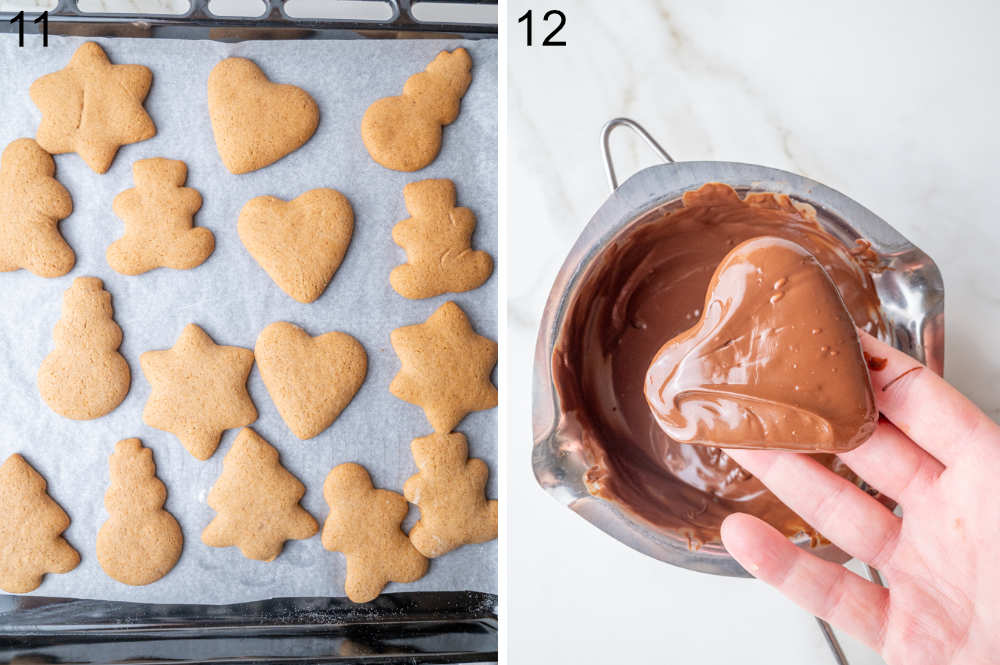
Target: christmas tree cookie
x,y
30,527
85,377
32,203
141,541
450,491
256,501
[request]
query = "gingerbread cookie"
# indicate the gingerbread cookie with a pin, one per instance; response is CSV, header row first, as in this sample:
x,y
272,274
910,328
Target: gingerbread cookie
x,y
310,379
85,377
450,491
364,525
256,122
299,243
92,107
404,133
140,542
32,202
159,219
445,367
256,501
437,243
30,526
199,390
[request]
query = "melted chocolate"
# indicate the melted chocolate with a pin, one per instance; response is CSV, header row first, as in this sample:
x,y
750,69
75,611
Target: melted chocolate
x,y
648,286
773,362
875,363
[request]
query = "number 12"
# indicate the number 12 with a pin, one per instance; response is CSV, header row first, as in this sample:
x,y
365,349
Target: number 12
x,y
548,41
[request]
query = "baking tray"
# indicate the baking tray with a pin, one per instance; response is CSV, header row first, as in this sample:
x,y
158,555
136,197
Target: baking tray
x,y
199,22
410,627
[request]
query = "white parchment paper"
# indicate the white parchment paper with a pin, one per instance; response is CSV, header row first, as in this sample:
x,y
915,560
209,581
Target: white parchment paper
x,y
233,299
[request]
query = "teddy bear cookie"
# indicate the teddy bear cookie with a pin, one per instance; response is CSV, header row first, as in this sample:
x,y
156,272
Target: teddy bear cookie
x,y
437,242
32,203
450,490
256,122
31,524
84,377
256,501
92,107
159,221
446,367
141,542
299,243
310,379
403,133
199,390
364,525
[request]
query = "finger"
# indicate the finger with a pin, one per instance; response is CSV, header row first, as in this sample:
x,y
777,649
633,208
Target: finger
x,y
924,406
891,463
820,587
838,509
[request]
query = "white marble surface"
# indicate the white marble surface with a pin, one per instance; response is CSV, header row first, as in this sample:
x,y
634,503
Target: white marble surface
x,y
156,6
893,103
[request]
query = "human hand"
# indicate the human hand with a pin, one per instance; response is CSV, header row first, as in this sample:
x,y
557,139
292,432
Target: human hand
x,y
938,457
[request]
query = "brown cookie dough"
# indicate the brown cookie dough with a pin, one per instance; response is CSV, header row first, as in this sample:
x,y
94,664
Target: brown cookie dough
x,y
299,243
450,490
404,132
256,122
256,501
437,242
310,379
199,390
446,367
92,107
32,203
159,221
364,524
30,526
84,377
141,542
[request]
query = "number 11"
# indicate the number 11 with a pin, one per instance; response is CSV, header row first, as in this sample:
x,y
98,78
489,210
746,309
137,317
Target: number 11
x,y
43,18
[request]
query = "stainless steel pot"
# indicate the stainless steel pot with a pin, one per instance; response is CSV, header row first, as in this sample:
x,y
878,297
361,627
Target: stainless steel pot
x,y
910,288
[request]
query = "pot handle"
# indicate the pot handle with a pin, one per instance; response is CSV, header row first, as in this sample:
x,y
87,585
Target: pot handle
x,y
609,165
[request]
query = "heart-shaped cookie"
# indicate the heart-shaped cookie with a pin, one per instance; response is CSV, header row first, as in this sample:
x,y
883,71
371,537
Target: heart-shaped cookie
x,y
299,243
310,379
773,362
256,122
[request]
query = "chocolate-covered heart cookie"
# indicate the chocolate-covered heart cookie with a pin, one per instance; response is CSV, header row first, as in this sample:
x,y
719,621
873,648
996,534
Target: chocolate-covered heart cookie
x,y
773,362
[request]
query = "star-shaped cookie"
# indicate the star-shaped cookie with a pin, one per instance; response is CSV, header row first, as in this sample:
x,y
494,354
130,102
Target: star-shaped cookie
x,y
199,390
445,367
92,107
